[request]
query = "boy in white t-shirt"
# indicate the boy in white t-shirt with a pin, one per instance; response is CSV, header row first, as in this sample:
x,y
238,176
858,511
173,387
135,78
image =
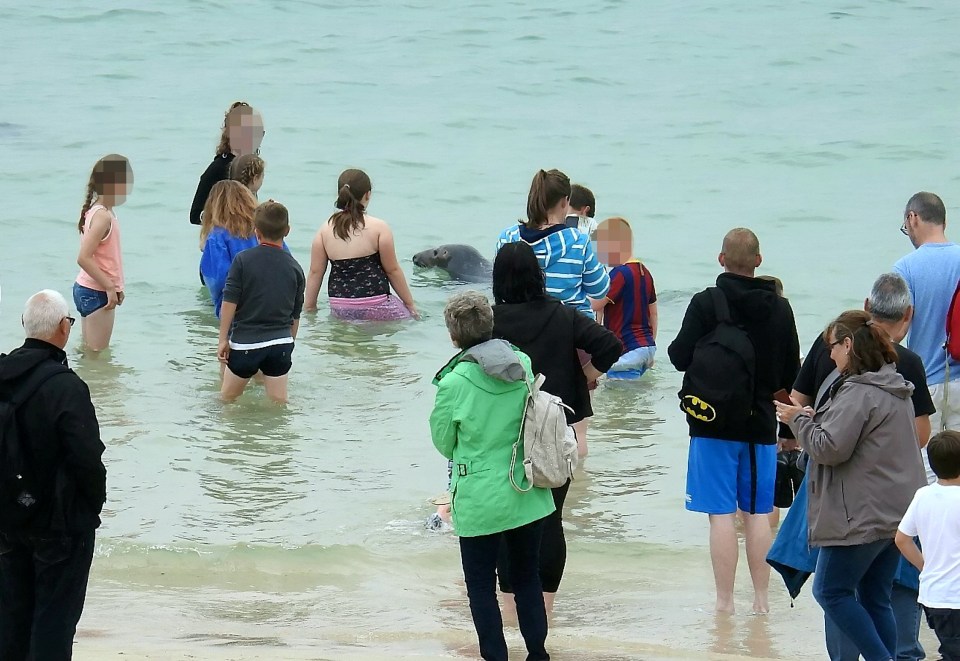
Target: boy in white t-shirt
x,y
934,517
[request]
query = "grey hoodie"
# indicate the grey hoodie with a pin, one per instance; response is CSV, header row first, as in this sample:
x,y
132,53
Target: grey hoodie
x,y
497,359
865,461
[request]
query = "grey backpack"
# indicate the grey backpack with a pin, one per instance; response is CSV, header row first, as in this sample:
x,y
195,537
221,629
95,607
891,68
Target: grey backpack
x,y
549,443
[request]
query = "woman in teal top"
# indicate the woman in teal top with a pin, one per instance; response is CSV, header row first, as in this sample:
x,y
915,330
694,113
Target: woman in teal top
x,y
481,396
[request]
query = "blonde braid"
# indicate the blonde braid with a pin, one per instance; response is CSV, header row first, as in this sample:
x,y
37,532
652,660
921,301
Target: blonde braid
x,y
87,202
246,168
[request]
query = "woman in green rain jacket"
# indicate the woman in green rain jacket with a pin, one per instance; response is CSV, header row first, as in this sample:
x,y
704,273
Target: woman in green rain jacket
x,y
481,395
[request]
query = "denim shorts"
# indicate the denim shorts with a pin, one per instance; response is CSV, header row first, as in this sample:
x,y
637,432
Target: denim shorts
x,y
274,360
88,300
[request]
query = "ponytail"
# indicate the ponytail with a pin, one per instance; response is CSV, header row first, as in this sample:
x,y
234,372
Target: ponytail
x,y
870,348
87,203
546,191
350,217
353,187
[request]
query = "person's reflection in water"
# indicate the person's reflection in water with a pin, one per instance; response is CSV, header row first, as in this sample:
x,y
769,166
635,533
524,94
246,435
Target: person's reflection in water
x,y
739,636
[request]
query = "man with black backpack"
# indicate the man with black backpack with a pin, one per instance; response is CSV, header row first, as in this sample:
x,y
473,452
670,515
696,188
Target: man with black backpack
x,y
52,488
737,345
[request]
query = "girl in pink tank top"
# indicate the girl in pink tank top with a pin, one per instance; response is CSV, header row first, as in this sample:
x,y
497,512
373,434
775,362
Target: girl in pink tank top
x,y
99,286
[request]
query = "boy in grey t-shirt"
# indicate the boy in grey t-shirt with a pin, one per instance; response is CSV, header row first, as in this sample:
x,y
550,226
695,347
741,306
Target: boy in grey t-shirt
x,y
260,315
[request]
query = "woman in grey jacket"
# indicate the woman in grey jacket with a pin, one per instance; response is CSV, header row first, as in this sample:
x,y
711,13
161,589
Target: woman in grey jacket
x,y
865,467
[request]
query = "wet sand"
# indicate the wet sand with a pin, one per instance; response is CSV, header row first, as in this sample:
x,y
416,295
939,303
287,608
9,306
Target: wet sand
x,y
652,615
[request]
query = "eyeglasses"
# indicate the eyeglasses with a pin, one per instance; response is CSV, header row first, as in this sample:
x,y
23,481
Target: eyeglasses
x,y
904,228
71,320
833,344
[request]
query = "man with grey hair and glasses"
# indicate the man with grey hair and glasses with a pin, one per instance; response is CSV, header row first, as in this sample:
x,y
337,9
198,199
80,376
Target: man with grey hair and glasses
x,y
890,307
932,272
52,487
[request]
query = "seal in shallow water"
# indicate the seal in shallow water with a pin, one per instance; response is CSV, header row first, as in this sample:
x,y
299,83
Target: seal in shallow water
x,y
462,262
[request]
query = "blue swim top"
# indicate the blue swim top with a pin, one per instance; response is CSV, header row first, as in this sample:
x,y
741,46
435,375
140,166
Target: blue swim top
x,y
569,263
218,253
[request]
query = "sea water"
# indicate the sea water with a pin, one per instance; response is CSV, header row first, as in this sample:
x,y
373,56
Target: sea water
x,y
300,530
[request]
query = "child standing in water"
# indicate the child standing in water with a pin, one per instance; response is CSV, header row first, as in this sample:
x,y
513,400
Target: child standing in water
x,y
363,260
248,170
242,134
227,229
260,315
629,308
98,289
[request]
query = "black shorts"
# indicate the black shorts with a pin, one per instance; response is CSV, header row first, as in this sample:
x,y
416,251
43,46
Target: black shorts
x,y
275,360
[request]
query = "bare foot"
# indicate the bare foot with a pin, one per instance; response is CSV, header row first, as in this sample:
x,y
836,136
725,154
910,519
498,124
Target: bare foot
x,y
761,605
725,607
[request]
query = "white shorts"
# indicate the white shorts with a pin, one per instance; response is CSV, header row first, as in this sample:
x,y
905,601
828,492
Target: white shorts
x,y
946,417
633,364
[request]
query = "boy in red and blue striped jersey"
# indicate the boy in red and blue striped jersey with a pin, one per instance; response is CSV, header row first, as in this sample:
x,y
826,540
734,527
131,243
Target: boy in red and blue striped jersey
x,y
629,308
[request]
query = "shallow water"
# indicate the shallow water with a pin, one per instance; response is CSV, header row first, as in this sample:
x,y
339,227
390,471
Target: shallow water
x,y
301,529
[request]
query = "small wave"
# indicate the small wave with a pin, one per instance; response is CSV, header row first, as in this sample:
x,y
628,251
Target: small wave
x,y
589,80
8,129
412,164
111,14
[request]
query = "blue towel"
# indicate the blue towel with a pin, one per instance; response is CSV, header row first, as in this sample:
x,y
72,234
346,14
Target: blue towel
x,y
791,554
795,560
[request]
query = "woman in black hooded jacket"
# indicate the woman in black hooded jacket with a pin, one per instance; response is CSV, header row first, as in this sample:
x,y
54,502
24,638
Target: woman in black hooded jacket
x,y
550,334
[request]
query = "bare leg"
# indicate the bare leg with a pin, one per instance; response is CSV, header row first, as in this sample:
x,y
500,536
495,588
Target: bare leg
x,y
232,386
548,599
98,328
774,518
508,605
581,430
724,553
756,528
276,387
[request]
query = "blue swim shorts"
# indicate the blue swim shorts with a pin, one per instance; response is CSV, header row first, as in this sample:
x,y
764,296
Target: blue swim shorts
x,y
725,475
88,300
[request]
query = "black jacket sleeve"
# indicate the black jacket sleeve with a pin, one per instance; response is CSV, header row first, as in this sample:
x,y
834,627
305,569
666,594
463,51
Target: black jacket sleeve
x,y
215,172
696,324
79,433
791,357
602,345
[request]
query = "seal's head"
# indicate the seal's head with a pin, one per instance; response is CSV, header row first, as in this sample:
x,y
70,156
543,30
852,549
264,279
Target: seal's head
x,y
434,257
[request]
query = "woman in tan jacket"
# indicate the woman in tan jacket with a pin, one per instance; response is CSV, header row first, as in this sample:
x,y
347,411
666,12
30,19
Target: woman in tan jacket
x,y
864,468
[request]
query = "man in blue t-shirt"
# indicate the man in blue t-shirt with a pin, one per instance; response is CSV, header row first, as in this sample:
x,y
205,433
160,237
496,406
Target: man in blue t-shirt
x,y
932,272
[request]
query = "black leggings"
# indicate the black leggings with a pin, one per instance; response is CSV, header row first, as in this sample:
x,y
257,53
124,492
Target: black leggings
x,y
553,549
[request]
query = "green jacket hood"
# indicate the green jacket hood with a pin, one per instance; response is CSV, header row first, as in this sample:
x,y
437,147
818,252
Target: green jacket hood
x,y
496,359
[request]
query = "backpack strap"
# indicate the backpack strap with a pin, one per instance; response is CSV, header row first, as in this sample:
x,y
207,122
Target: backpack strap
x,y
825,387
721,308
533,387
37,377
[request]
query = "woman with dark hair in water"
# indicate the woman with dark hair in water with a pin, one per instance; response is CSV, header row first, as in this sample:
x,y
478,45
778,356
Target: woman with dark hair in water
x,y
242,134
363,260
